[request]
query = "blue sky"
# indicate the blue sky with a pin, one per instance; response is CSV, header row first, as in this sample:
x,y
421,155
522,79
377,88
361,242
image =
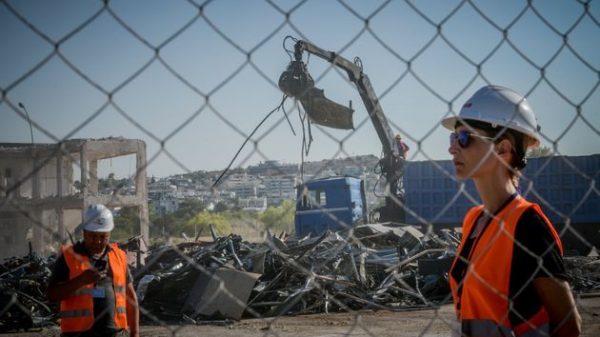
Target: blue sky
x,y
232,54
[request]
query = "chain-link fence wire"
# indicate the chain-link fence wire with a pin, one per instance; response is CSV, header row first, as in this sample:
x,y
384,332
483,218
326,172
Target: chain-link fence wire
x,y
311,274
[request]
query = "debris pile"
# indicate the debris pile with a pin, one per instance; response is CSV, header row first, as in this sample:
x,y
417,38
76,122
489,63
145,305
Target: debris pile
x,y
370,266
584,273
375,266
23,284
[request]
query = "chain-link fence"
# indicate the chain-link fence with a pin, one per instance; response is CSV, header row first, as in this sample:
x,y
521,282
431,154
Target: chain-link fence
x,y
180,105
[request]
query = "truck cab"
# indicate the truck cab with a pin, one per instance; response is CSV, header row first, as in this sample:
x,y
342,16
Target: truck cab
x,y
334,204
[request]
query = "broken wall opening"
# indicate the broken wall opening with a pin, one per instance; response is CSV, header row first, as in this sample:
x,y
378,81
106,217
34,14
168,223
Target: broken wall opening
x,y
16,230
116,175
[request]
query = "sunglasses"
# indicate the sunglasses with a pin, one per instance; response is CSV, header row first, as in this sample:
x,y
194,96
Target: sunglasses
x,y
463,138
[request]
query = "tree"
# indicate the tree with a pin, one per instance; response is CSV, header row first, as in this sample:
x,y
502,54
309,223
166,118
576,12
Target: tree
x,y
199,224
542,151
280,218
189,208
159,225
174,223
221,207
127,223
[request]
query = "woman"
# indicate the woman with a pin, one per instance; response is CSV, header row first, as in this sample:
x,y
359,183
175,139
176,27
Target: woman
x,y
508,278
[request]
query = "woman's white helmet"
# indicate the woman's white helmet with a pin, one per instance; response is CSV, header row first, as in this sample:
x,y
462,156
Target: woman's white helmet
x,y
98,218
499,106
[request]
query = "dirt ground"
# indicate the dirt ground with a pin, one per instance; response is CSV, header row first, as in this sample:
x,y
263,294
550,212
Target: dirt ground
x,y
426,323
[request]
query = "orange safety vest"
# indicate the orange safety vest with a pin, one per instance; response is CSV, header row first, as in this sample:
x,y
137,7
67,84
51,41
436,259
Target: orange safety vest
x,y
77,311
483,305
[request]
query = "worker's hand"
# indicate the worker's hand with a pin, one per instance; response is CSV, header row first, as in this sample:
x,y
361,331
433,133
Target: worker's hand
x,y
91,276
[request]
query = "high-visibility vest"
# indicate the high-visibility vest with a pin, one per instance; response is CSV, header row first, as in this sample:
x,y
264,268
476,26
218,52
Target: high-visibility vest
x,y
77,311
483,304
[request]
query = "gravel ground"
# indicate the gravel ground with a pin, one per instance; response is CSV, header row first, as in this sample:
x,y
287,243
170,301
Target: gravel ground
x,y
427,323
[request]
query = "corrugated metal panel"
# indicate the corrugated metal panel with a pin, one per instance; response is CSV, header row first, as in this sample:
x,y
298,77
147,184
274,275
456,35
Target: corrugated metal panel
x,y
564,186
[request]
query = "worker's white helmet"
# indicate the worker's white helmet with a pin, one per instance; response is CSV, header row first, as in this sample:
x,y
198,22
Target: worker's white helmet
x,y
499,106
98,218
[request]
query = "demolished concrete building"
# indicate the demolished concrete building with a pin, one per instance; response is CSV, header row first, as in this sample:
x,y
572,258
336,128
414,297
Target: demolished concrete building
x,y
45,188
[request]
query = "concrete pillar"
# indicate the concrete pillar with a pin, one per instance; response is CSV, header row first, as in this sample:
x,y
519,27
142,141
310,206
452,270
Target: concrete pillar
x,y
35,213
140,188
60,193
93,177
83,162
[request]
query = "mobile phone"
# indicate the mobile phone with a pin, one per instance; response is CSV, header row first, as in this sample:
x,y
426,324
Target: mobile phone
x,y
100,265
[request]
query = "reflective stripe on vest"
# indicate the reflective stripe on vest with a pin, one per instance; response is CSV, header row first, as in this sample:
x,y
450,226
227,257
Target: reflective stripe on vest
x,y
83,291
77,310
75,313
540,331
474,327
483,305
484,327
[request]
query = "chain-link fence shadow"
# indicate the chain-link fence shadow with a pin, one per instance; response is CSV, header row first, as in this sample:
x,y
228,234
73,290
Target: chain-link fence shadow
x,y
181,117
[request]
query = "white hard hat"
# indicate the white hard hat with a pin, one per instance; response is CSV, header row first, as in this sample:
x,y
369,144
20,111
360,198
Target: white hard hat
x,y
499,106
98,218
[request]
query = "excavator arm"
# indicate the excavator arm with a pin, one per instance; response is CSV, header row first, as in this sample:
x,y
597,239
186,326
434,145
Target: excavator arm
x,y
298,83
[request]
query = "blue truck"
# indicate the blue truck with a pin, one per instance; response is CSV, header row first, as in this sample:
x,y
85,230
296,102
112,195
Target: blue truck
x,y
334,204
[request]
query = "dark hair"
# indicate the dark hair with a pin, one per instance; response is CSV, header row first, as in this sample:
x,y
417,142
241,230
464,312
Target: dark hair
x,y
499,133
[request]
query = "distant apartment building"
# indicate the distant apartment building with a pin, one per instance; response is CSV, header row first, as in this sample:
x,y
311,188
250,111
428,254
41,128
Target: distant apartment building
x,y
183,184
279,188
325,173
352,171
212,197
162,195
162,186
243,185
258,204
245,191
272,167
165,205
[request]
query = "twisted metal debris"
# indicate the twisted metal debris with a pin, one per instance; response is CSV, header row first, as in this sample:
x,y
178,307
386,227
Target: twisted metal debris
x,y
371,266
23,283
367,267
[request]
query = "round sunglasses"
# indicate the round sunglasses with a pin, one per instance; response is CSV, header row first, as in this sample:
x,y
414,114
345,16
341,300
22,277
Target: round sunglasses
x,y
463,138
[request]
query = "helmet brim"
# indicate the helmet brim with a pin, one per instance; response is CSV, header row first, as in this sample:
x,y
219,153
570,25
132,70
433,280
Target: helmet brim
x,y
450,124
91,227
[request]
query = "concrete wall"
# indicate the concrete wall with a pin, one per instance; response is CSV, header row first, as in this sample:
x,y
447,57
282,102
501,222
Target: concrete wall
x,y
38,204
15,232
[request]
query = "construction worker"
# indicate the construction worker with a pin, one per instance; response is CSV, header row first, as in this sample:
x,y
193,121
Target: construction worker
x,y
508,278
93,283
402,147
